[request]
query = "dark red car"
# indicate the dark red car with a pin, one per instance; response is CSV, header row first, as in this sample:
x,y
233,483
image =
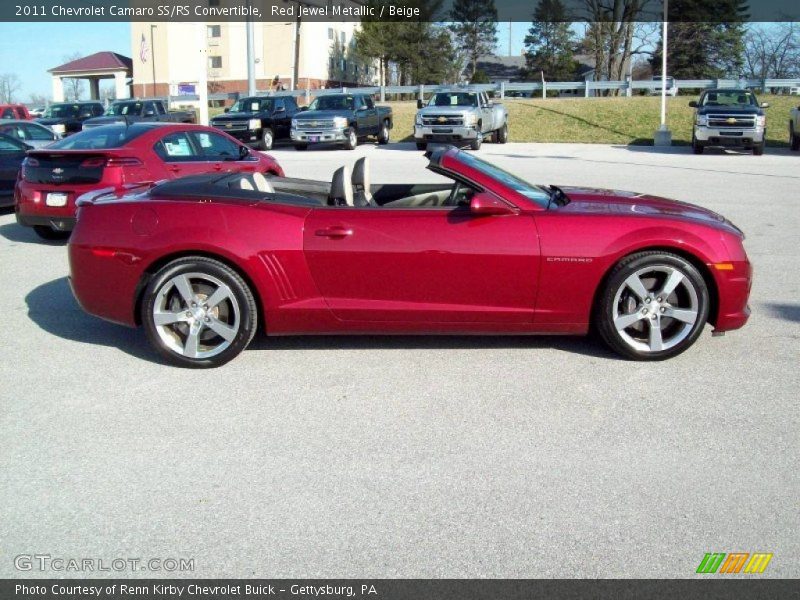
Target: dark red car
x,y
204,262
116,156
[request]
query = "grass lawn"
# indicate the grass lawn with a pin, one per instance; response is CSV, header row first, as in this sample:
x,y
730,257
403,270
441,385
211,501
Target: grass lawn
x,y
604,120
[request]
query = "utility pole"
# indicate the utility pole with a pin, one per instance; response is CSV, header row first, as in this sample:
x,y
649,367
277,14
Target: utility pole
x,y
663,137
153,56
251,67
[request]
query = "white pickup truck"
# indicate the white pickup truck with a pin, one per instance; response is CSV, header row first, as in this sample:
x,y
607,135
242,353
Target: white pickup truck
x,y
794,128
460,116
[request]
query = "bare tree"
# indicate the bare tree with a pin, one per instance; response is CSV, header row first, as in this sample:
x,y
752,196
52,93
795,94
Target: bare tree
x,y
73,88
9,86
37,100
772,51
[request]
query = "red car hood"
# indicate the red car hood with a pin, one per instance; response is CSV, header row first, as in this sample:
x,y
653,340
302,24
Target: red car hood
x,y
620,203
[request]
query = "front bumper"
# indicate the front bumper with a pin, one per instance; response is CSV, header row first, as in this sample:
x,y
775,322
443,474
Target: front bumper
x,y
729,137
247,136
317,136
445,133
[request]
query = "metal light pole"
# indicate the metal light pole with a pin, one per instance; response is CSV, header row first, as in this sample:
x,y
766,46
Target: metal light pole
x,y
153,57
251,67
663,137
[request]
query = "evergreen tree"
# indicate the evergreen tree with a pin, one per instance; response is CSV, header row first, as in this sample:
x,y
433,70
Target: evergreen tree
x,y
549,43
474,24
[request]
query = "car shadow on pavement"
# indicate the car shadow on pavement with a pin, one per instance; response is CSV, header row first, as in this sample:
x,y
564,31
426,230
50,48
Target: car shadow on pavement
x,y
787,312
584,345
53,308
17,233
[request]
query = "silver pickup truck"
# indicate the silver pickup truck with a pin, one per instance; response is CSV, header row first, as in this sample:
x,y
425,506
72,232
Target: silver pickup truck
x,y
460,116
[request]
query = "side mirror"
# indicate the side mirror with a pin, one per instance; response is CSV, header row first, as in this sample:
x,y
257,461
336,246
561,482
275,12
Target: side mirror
x,y
693,103
419,103
765,105
244,152
226,109
486,205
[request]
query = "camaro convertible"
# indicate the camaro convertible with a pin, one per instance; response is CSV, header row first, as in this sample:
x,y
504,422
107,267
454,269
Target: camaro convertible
x,y
204,261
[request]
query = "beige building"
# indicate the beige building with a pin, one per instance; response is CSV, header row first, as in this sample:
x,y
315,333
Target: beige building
x,y
171,54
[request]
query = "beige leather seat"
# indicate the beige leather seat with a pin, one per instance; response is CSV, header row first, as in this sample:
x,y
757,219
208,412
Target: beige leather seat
x,y
362,196
263,184
244,184
341,187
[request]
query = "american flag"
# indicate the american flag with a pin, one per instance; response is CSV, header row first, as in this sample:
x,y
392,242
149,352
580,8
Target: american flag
x,y
143,50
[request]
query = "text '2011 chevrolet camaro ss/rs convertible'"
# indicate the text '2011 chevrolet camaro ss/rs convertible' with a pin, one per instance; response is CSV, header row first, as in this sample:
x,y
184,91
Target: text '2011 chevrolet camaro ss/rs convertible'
x,y
202,262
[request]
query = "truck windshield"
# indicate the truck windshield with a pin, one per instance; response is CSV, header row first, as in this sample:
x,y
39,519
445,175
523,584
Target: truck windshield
x,y
533,192
457,99
61,111
333,103
125,108
252,105
729,98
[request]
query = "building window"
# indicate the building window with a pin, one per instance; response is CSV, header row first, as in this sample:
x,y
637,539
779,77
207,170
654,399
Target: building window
x,y
214,31
330,33
215,62
344,39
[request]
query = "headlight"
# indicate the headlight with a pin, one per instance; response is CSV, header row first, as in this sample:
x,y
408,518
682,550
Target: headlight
x,y
59,128
254,123
761,121
419,119
701,120
294,123
340,122
470,119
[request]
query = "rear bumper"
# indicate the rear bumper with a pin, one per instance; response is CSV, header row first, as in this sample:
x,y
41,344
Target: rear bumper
x,y
31,204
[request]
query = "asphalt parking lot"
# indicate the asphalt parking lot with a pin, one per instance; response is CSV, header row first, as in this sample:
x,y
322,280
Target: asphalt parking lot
x,y
409,456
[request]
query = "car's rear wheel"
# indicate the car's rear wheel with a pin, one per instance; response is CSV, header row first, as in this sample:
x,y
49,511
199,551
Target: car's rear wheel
x,y
48,233
350,139
198,312
383,136
501,135
653,306
267,139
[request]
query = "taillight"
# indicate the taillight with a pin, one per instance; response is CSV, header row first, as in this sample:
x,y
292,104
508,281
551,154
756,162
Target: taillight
x,y
123,162
93,163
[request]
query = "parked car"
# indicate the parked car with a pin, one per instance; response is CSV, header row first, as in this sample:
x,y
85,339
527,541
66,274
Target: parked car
x,y
730,118
258,120
341,119
794,91
794,128
125,112
460,116
484,253
14,111
31,133
672,87
66,118
116,156
36,111
12,153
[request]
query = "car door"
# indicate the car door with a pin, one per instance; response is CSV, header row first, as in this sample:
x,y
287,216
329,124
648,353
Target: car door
x,y
423,265
280,119
12,153
179,154
372,114
38,136
220,153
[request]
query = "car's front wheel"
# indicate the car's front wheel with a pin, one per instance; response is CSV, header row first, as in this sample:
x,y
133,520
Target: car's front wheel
x,y
267,139
350,139
476,143
383,136
422,145
653,306
697,147
198,312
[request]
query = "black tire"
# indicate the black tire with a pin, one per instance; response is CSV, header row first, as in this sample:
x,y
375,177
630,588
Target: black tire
x,y
501,135
794,138
301,147
350,139
476,143
697,147
383,136
51,235
238,306
637,340
758,149
267,139
422,146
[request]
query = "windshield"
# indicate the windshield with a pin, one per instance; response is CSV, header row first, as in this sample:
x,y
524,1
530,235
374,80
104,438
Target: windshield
x,y
125,108
248,105
454,99
333,103
61,111
729,98
533,192
101,138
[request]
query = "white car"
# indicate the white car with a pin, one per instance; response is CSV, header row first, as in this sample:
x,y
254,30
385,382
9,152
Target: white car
x,y
794,91
672,88
29,132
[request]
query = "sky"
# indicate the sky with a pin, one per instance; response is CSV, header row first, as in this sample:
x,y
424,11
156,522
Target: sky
x,y
29,49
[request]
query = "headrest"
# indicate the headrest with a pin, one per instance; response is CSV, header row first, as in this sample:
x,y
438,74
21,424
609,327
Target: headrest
x,y
245,184
341,187
262,184
361,178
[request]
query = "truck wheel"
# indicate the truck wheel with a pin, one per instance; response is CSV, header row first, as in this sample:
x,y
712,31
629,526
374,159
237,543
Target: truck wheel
x,y
476,143
758,149
383,136
697,147
422,146
300,147
501,135
794,139
267,139
350,139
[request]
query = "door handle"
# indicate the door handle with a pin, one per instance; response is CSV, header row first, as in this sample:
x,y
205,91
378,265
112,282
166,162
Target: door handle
x,y
217,166
334,232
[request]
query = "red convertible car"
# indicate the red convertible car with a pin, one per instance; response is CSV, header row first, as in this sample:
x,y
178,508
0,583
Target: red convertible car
x,y
203,262
116,156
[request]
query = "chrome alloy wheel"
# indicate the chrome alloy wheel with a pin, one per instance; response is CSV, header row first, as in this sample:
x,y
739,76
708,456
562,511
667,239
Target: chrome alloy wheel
x,y
267,139
351,138
655,308
196,315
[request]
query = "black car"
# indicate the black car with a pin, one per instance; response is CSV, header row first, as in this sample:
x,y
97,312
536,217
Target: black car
x,y
12,153
258,120
66,118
